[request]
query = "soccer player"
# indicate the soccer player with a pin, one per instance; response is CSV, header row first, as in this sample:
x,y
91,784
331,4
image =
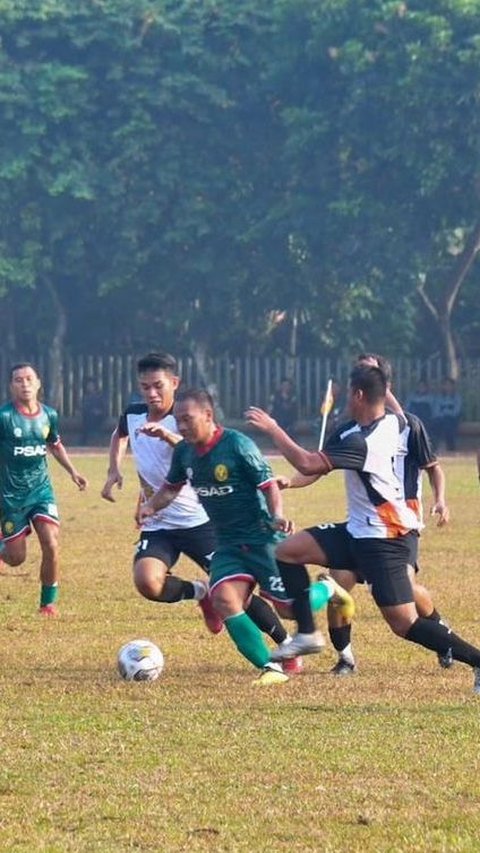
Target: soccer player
x,y
184,526
380,523
236,486
28,428
415,455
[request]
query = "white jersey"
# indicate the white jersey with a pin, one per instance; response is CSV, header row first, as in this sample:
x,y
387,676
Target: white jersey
x,y
376,497
152,460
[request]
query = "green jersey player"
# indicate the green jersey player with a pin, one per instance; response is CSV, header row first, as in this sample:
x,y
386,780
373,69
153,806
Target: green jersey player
x,y
240,493
27,429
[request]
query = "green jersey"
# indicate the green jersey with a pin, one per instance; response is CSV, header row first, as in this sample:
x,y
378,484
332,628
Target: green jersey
x,y
228,477
23,451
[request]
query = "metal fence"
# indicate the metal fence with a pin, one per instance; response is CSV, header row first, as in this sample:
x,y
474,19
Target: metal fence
x,y
240,382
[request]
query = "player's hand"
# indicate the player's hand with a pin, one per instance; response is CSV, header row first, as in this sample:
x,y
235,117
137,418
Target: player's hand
x,y
144,511
442,511
80,481
260,419
115,479
283,482
284,525
154,430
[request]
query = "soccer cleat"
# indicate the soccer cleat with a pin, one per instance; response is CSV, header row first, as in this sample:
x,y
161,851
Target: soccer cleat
x,y
476,680
49,610
211,617
301,644
293,666
343,667
445,659
272,673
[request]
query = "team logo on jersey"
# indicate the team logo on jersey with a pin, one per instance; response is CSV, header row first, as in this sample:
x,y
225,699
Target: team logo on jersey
x,y
8,527
17,432
189,473
220,473
45,431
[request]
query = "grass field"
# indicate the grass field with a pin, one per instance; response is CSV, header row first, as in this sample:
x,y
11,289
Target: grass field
x,y
203,761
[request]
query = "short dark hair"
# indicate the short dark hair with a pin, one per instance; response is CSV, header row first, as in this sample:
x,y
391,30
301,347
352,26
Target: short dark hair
x,y
158,361
201,396
20,365
371,380
382,362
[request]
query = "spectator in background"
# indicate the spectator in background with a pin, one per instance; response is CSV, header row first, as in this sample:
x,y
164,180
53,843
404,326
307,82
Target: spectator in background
x,y
447,406
283,406
94,412
420,403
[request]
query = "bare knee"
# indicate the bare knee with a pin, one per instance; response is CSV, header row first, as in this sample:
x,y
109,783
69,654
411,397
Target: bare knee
x,y
149,580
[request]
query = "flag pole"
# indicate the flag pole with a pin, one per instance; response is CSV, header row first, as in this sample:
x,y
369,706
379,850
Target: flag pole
x,y
325,410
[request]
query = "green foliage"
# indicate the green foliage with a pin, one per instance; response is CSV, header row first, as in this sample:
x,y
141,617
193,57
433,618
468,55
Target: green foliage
x,y
191,167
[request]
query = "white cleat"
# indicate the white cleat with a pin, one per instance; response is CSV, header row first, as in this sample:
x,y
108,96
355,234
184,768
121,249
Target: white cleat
x,y
301,644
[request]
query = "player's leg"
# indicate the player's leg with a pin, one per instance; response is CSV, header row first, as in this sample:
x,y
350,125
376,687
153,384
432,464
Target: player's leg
x,y
426,608
154,557
199,543
340,626
292,554
384,563
231,583
47,531
15,527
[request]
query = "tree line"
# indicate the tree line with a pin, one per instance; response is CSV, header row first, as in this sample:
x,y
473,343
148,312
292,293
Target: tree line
x,y
285,176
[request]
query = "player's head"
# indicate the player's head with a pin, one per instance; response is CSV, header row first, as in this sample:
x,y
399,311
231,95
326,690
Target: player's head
x,y
368,387
158,380
195,415
374,358
25,383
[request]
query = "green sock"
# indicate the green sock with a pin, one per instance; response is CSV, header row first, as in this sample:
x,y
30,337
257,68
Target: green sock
x,y
248,639
320,595
48,594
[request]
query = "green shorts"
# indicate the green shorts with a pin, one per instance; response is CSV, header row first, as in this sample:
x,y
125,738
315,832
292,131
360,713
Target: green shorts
x,y
255,564
16,520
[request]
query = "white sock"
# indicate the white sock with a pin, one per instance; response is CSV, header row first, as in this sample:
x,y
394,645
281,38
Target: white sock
x,y
347,654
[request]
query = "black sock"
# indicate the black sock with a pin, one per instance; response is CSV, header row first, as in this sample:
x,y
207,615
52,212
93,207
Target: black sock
x,y
266,619
433,635
340,637
174,589
297,586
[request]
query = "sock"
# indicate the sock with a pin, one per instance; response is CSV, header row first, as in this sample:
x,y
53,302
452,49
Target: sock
x,y
435,636
48,594
297,586
340,639
266,619
248,639
320,594
175,589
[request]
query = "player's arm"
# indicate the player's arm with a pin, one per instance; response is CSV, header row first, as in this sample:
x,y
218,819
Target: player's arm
x,y
298,481
154,430
437,483
305,461
165,495
274,501
59,452
117,451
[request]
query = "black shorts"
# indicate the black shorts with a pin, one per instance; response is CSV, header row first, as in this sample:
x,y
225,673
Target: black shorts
x,y
198,543
412,538
336,542
383,563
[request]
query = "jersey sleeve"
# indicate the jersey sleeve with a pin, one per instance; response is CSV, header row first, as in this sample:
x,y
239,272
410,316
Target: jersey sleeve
x,y
419,444
346,449
177,474
53,436
253,463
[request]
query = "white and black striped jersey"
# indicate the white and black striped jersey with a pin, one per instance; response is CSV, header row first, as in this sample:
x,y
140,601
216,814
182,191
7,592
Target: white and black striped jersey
x,y
377,508
152,460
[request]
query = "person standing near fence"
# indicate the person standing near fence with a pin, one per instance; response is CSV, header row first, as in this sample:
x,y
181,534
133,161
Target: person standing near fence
x,y
28,428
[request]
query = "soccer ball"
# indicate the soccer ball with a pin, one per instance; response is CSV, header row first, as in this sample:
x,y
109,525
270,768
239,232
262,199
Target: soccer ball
x,y
140,660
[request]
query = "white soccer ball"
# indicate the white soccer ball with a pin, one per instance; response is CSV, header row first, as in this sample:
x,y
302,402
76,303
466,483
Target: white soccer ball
x,y
140,660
